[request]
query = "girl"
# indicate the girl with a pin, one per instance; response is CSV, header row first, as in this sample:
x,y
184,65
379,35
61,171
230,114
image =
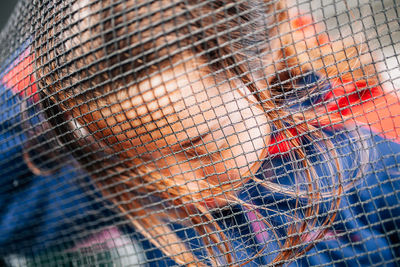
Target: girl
x,y
225,131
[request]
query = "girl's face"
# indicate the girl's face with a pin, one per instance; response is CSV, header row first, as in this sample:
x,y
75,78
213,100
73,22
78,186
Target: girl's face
x,y
181,122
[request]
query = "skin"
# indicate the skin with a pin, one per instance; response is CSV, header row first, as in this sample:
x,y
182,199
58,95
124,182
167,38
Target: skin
x,y
184,123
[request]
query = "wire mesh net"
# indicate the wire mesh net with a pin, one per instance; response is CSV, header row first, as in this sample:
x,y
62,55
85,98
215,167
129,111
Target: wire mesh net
x,y
200,133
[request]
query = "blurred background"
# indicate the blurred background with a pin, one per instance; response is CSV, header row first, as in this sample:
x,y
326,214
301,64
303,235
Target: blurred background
x,y
6,7
373,23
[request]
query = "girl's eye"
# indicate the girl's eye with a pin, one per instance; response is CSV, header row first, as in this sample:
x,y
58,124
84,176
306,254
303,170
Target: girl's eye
x,y
195,141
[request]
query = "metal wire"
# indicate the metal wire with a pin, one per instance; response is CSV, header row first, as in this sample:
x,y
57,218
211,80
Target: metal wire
x,y
200,133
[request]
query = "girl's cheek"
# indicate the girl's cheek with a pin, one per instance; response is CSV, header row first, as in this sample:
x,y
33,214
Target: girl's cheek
x,y
235,147
246,135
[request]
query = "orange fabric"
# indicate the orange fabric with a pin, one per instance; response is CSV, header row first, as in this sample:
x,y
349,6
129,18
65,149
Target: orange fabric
x,y
20,77
383,116
280,144
371,107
